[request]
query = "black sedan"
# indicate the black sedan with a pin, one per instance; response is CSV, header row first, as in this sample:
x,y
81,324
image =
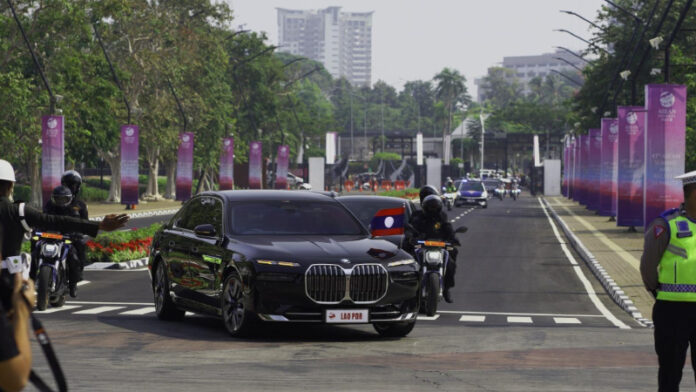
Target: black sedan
x,y
280,256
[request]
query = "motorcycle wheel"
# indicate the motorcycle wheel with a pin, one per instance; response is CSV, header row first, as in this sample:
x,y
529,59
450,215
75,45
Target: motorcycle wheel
x,y
432,293
43,287
58,302
394,330
449,206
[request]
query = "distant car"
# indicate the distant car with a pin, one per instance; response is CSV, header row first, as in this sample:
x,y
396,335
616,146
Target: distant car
x,y
491,184
472,192
295,182
365,207
280,256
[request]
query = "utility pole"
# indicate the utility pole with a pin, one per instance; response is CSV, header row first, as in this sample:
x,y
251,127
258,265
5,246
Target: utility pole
x,y
483,118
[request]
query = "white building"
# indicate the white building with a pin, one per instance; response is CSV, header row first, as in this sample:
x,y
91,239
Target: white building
x,y
342,41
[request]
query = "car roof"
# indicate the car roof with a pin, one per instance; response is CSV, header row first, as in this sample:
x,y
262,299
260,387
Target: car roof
x,y
251,195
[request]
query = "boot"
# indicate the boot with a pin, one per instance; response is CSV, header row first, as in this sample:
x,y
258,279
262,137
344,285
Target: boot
x,y
73,290
447,295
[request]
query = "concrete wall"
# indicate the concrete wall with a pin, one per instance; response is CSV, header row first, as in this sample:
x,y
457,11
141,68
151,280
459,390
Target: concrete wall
x,y
316,173
552,177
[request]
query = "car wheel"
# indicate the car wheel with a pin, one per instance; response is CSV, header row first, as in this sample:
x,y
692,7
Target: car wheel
x,y
164,306
394,330
485,205
237,319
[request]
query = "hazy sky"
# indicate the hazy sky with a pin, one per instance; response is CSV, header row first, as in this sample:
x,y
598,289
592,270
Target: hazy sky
x,y
415,39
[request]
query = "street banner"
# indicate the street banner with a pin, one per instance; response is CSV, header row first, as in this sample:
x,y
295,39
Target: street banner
x,y
629,206
580,168
227,164
331,147
184,167
52,154
129,164
608,172
564,182
665,140
571,168
282,162
593,169
255,158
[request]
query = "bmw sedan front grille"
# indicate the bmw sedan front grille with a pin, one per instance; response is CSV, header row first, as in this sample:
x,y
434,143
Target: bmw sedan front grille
x,y
332,284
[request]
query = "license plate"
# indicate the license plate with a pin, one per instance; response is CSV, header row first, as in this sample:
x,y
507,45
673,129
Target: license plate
x,y
343,316
469,200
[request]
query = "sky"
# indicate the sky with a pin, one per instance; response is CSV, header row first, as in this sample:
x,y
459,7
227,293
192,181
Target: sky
x,y
415,39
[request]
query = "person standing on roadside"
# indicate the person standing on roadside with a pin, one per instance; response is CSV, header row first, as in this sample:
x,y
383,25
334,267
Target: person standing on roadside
x,y
668,269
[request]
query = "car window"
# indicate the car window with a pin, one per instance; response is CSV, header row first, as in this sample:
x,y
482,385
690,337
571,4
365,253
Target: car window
x,y
202,210
290,217
471,186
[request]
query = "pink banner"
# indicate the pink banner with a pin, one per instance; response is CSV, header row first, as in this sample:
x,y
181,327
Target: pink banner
x,y
608,167
581,158
255,158
184,167
665,140
629,207
129,164
227,164
594,156
52,154
282,167
564,182
571,166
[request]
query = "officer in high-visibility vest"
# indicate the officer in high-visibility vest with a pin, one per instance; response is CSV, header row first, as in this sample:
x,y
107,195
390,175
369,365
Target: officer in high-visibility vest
x,y
668,268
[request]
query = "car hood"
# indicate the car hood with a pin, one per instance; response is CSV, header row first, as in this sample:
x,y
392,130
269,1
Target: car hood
x,y
314,249
470,193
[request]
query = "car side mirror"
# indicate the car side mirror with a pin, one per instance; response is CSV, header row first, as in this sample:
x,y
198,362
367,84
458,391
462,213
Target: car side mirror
x,y
461,230
205,230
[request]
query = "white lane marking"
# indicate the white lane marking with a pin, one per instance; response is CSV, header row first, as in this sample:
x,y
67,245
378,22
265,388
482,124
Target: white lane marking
x,y
428,318
566,320
472,319
581,275
141,311
188,314
53,310
519,320
520,314
99,309
109,303
451,220
83,282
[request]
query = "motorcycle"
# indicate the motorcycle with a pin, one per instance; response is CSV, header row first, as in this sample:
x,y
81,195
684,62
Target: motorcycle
x,y
499,193
52,278
433,257
515,193
448,199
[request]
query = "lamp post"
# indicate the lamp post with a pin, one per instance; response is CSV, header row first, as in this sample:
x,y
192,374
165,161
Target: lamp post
x,y
482,118
583,18
582,39
569,63
567,77
573,53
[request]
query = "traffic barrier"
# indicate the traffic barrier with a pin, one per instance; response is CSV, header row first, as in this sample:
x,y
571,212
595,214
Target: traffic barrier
x,y
399,185
348,185
386,184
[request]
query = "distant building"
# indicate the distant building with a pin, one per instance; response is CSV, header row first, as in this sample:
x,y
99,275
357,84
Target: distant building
x,y
342,41
527,68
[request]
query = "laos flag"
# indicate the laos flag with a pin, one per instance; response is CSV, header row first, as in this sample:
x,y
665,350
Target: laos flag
x,y
389,221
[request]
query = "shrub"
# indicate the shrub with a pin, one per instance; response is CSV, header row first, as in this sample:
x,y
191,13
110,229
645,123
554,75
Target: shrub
x,y
22,192
88,193
409,193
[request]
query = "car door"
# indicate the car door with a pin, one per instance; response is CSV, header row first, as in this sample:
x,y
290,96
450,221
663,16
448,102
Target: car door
x,y
175,252
206,252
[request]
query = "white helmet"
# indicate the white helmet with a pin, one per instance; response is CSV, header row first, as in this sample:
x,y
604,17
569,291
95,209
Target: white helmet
x,y
6,171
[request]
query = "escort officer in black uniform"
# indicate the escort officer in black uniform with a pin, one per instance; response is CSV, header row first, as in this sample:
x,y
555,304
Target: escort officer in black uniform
x,y
668,269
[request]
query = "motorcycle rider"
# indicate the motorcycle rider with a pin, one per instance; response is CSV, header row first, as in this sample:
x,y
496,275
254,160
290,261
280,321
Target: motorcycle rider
x,y
432,223
449,186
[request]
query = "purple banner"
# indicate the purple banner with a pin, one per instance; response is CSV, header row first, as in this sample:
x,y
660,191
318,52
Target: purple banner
x,y
227,164
665,140
52,154
629,207
580,157
282,167
564,182
129,164
593,169
608,167
255,157
571,166
184,167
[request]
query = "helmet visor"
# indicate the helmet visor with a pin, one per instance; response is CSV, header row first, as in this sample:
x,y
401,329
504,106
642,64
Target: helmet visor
x,y
61,200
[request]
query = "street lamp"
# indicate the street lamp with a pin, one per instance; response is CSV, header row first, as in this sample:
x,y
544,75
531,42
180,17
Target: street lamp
x,y
583,18
573,53
582,39
482,118
569,63
567,77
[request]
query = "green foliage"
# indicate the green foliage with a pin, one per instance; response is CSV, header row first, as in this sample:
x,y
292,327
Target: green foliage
x,y
408,193
88,193
386,156
21,192
127,235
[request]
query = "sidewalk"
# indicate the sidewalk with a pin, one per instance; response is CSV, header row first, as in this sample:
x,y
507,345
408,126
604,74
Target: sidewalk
x,y
614,248
100,209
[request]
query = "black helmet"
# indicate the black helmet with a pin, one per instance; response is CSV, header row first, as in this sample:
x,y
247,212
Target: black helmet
x,y
61,196
72,180
427,191
432,205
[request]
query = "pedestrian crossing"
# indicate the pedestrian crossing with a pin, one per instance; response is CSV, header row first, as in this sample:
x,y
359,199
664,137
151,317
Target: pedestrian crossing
x,y
121,309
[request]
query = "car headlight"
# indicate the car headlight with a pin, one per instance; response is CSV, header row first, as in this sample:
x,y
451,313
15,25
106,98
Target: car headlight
x,y
484,194
401,262
49,250
278,263
433,257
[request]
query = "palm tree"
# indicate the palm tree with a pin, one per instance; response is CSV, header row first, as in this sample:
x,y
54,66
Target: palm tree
x,y
451,90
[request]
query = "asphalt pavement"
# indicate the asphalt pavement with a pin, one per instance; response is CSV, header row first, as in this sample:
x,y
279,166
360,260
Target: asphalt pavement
x,y
528,316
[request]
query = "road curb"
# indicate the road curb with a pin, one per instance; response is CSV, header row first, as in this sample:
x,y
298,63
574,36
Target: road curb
x,y
124,265
143,214
613,289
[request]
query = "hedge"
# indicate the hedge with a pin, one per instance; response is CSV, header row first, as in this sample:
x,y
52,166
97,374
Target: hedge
x,y
409,193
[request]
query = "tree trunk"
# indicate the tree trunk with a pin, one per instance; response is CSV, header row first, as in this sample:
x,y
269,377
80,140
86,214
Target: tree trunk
x,y
300,150
170,171
114,162
152,191
35,181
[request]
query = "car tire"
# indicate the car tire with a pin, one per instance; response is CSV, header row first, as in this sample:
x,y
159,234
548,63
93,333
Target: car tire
x,y
238,321
394,330
165,309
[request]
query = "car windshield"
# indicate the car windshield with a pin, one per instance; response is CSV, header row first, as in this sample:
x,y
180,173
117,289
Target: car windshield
x,y
365,210
290,217
471,186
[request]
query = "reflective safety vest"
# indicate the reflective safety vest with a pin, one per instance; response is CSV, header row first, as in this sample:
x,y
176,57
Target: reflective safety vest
x,y
677,268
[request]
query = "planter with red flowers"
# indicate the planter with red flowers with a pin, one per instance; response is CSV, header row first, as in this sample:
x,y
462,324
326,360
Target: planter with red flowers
x,y
121,246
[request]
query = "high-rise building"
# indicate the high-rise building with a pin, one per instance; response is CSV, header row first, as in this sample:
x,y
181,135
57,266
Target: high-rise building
x,y
342,41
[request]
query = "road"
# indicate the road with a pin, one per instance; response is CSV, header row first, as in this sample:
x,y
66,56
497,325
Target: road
x,y
526,318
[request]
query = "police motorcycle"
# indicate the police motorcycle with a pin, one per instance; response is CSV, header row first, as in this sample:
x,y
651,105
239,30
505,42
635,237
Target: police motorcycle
x,y
52,278
448,198
433,256
500,192
515,191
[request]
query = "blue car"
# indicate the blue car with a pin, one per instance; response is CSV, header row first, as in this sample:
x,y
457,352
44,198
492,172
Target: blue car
x,y
471,192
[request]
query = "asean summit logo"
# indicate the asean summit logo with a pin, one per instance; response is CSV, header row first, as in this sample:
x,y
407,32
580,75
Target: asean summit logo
x,y
130,131
631,118
667,99
185,138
